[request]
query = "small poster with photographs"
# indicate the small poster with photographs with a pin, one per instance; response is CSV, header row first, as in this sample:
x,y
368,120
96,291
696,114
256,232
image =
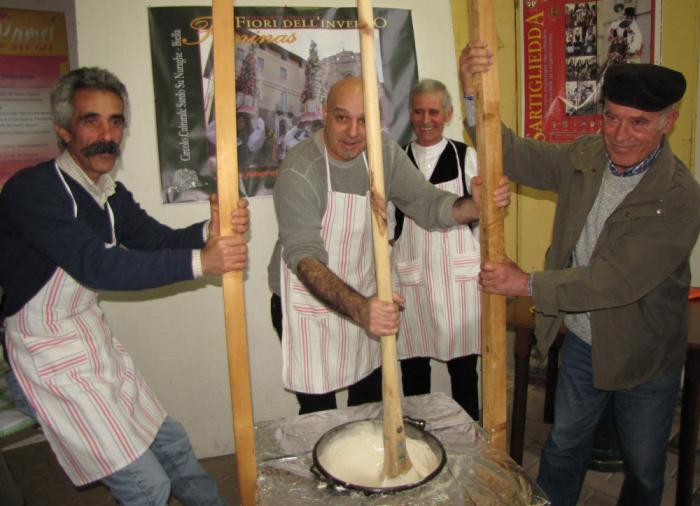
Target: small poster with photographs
x,y
567,49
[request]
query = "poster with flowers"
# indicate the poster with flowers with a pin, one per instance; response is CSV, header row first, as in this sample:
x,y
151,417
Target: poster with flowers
x,y
286,60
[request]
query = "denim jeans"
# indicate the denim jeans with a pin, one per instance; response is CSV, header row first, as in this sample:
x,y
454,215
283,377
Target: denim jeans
x,y
18,397
168,466
643,415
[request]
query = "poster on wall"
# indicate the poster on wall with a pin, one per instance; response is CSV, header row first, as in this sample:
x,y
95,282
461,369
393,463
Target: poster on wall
x,y
33,53
286,60
567,49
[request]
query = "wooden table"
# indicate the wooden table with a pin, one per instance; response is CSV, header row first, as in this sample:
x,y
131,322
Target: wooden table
x,y
522,320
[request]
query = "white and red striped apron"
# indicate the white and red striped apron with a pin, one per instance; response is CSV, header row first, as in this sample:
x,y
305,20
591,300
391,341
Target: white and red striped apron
x,y
436,271
96,411
322,350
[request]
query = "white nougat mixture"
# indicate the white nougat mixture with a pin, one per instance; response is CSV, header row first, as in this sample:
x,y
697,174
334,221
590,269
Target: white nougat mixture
x,y
357,456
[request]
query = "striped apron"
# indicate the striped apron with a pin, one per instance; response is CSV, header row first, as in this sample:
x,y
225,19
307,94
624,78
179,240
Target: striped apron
x,y
436,271
95,409
323,350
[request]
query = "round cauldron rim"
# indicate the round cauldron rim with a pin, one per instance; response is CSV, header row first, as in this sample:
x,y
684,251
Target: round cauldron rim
x,y
337,482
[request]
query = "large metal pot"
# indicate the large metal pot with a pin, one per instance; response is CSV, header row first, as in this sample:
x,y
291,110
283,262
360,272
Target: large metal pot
x,y
414,429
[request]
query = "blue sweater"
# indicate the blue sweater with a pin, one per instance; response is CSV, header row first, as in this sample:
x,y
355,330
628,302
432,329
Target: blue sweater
x,y
38,233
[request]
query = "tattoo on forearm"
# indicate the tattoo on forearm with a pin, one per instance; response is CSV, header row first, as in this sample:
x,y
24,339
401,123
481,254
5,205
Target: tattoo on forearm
x,y
329,288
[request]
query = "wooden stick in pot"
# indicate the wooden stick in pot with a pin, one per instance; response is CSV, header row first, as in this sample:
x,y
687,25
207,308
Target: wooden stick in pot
x,y
396,459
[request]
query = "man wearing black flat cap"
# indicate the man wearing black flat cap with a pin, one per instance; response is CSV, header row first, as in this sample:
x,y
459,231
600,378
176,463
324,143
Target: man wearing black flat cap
x,y
616,274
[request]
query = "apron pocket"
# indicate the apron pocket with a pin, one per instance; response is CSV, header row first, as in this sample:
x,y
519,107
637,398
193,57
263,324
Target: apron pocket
x,y
306,304
409,273
311,310
466,268
54,357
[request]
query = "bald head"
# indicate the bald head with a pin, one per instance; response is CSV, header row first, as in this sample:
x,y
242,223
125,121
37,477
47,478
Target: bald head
x,y
348,86
344,116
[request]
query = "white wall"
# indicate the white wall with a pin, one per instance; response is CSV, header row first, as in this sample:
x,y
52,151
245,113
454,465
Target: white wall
x,y
176,334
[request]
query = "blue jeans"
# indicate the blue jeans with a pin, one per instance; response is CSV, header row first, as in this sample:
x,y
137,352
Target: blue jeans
x,y
168,466
643,415
18,397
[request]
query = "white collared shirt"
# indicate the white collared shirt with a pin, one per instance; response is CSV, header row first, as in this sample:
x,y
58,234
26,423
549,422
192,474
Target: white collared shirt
x,y
100,191
427,156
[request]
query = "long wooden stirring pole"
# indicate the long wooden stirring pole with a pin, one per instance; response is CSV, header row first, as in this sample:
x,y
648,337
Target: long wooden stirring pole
x,y
490,161
234,297
396,459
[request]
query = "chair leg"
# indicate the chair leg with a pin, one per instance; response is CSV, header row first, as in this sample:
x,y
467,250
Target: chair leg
x,y
523,342
552,371
690,419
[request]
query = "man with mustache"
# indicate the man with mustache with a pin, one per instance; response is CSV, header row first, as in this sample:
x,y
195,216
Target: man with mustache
x,y
324,305
67,230
616,274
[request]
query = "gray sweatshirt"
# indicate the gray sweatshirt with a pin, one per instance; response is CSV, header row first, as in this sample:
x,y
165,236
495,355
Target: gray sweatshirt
x,y
300,196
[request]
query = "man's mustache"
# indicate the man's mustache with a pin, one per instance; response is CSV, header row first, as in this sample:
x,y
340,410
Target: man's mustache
x,y
100,147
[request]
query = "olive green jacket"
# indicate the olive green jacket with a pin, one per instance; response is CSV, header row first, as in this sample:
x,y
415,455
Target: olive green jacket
x,y
636,284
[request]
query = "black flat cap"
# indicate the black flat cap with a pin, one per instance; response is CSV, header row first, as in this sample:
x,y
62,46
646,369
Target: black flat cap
x,y
643,86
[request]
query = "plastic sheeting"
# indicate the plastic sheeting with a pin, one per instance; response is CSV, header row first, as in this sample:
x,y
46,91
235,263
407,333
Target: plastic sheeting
x,y
476,473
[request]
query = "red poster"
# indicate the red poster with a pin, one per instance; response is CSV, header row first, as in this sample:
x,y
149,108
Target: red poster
x,y
567,48
33,53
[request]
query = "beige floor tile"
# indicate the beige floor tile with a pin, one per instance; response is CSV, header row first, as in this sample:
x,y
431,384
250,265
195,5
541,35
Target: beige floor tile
x,y
596,498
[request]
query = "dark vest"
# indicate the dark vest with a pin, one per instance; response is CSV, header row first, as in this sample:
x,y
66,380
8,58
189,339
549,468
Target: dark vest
x,y
445,170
